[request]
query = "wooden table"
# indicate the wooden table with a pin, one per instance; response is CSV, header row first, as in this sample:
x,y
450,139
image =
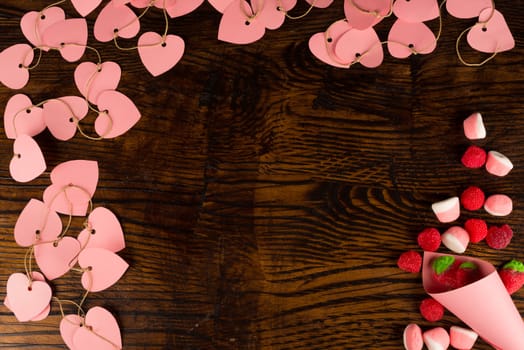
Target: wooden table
x,y
266,196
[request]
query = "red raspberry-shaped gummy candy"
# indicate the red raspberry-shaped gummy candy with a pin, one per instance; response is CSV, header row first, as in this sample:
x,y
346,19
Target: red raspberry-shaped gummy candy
x,y
472,198
431,310
429,239
410,261
474,157
499,237
477,229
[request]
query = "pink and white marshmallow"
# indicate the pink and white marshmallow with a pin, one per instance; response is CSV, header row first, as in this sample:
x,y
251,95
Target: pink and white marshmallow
x,y
498,164
436,339
447,210
462,338
413,337
474,127
498,205
456,239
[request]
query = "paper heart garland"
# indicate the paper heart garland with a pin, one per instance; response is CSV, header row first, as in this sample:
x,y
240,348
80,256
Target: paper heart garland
x,y
181,8
37,276
92,79
14,61
360,13
119,114
114,19
492,36
101,331
27,300
103,231
69,36
55,259
34,23
406,38
322,45
467,8
236,27
21,117
103,268
61,115
36,223
417,10
85,7
360,45
160,55
68,327
220,5
28,161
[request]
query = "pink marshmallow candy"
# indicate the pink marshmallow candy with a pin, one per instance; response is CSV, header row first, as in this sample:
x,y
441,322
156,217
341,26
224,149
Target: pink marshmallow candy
x,y
498,164
413,337
436,339
462,338
447,210
456,239
474,127
498,205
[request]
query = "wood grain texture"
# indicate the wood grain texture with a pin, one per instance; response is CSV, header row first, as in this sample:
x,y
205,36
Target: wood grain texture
x,y
266,196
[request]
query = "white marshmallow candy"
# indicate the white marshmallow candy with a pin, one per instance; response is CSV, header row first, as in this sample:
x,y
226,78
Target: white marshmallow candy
x,y
462,338
413,337
498,164
436,339
474,127
456,239
447,210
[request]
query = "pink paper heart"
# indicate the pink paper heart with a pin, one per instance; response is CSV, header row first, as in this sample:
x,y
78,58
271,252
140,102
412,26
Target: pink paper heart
x,y
493,36
74,184
103,268
220,5
103,231
91,79
362,14
37,276
85,7
180,8
34,23
28,161
322,45
322,4
467,8
404,38
21,117
360,45
119,114
417,10
101,331
271,15
14,61
124,2
55,259
68,327
160,55
119,18
236,27
36,223
69,36
61,115
27,300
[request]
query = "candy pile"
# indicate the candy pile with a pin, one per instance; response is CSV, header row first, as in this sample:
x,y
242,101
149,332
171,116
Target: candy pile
x,y
449,272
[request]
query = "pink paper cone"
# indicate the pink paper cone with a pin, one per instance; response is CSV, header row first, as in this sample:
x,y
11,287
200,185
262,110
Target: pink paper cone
x,y
485,305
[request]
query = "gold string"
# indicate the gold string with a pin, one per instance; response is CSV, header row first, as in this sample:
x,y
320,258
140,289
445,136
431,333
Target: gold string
x,y
253,14
28,265
281,9
33,49
459,55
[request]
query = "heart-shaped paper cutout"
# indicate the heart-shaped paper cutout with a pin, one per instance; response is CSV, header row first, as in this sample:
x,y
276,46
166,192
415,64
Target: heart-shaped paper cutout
x,y
27,300
85,7
91,79
417,10
124,2
322,45
271,15
321,4
68,327
220,5
114,19
36,223
67,200
360,45
492,36
69,37
37,276
21,117
160,55
55,259
34,23
103,231
180,8
103,268
119,114
362,14
236,27
14,61
61,115
28,161
101,331
406,38
467,8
